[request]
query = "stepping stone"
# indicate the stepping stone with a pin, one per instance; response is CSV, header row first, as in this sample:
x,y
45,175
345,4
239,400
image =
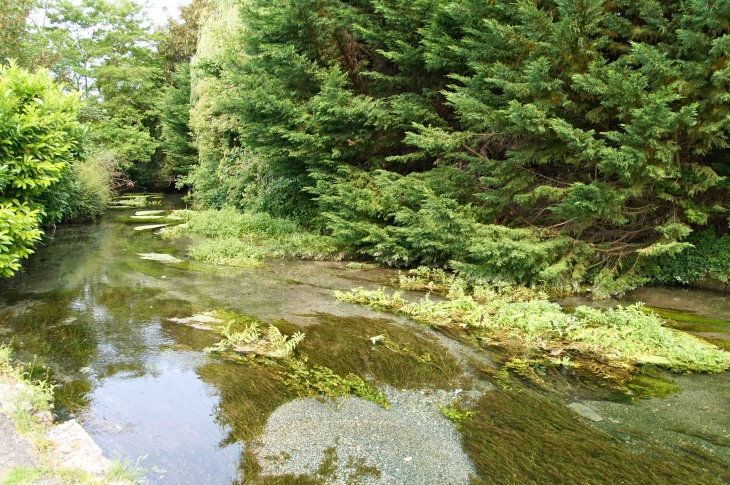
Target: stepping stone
x,y
160,258
148,213
150,227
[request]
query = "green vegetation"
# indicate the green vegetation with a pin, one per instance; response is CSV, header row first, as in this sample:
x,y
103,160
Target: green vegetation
x,y
522,434
33,401
460,134
253,340
525,320
41,139
244,239
321,382
90,193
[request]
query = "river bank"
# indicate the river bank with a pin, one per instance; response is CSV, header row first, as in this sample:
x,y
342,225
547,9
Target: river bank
x,y
34,449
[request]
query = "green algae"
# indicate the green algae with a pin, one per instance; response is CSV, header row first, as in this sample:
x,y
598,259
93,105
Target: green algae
x,y
248,396
686,317
522,437
355,471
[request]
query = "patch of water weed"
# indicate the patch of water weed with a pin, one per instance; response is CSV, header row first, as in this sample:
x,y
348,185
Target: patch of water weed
x,y
256,340
356,265
686,317
404,358
228,251
522,437
354,472
456,412
248,393
426,279
147,268
71,397
50,330
647,386
517,315
321,383
133,201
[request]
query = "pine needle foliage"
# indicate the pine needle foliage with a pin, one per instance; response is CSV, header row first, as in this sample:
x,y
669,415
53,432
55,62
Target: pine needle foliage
x,y
560,142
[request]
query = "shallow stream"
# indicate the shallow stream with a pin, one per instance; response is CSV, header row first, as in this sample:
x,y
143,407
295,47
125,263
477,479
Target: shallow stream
x,y
89,311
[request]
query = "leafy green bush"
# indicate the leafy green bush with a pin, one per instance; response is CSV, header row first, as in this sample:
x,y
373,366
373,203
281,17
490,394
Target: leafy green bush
x,y
709,256
40,137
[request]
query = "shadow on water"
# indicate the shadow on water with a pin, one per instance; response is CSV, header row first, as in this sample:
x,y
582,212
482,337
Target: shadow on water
x,y
88,312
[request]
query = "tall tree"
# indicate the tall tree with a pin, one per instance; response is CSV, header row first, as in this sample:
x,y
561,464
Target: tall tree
x,y
176,47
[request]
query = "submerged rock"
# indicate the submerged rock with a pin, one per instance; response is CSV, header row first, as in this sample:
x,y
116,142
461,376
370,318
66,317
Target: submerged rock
x,y
75,449
585,411
159,258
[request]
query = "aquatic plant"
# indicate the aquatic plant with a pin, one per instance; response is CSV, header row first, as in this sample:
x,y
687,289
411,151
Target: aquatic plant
x,y
524,318
356,265
320,382
456,412
539,441
132,201
253,340
228,251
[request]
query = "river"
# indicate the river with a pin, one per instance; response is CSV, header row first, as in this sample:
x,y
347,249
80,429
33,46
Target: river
x,y
87,310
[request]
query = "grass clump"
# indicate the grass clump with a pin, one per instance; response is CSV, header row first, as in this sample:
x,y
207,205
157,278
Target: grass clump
x,y
34,399
524,319
244,239
228,251
126,471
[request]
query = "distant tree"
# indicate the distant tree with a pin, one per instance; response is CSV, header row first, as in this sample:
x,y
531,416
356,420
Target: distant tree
x,y
176,47
13,16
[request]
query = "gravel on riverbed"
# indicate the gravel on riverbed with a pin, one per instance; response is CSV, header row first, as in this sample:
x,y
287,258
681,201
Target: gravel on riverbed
x,y
413,443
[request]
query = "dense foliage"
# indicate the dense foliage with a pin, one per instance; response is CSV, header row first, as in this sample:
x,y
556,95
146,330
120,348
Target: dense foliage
x,y
551,141
40,138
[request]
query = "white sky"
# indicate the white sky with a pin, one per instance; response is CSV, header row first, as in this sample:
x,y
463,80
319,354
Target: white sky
x,y
157,13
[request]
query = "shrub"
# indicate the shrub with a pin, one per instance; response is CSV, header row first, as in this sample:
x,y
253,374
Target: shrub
x,y
90,192
40,137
